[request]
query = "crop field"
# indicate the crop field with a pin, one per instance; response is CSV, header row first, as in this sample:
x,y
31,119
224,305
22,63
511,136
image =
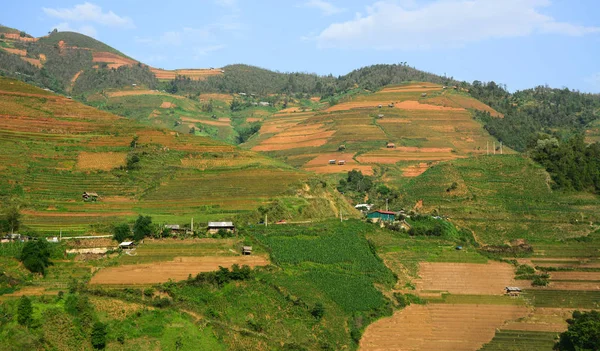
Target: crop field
x,y
194,74
178,269
519,340
543,319
465,278
113,60
505,197
439,327
423,132
71,148
101,160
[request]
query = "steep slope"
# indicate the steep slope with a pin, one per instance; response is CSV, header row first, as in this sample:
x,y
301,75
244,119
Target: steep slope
x,y
405,128
54,149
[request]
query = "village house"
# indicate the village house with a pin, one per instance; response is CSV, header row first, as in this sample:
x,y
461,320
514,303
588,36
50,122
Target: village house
x,y
341,162
246,250
175,229
127,245
331,162
390,145
383,216
214,227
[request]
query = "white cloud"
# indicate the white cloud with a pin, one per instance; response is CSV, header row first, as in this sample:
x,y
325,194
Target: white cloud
x,y
85,29
203,51
443,23
88,12
325,7
229,4
594,80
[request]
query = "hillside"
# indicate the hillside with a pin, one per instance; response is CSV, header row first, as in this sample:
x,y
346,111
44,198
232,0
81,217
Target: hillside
x,y
56,148
403,128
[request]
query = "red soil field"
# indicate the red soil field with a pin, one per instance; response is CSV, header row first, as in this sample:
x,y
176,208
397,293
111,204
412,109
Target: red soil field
x,y
16,51
415,105
194,74
466,278
178,269
114,60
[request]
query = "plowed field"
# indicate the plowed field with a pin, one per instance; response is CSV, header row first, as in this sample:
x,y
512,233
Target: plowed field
x,y
101,160
178,269
437,327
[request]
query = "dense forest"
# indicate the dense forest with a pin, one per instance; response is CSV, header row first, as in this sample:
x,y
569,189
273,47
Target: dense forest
x,y
541,109
573,164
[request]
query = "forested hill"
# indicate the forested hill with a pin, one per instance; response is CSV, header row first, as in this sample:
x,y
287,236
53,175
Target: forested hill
x,y
245,78
561,112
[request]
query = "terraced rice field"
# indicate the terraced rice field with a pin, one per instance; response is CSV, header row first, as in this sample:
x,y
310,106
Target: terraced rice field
x,y
178,269
519,340
112,60
194,74
435,327
465,278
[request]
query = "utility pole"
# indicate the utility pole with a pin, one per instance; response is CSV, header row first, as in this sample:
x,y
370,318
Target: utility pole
x,y
501,149
192,225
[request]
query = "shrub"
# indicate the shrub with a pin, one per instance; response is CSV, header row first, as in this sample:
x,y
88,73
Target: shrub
x,y
24,311
142,227
99,336
318,311
583,332
121,232
36,256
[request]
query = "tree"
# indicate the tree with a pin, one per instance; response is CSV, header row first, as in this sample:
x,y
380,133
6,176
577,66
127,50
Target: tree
x,y
25,310
583,333
121,232
13,218
142,227
35,256
99,336
318,311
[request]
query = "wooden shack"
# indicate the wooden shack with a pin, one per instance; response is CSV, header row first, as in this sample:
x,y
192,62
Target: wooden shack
x,y
88,196
390,145
512,291
127,245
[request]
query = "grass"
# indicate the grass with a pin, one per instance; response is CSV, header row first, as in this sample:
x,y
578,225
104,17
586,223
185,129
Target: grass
x,y
478,300
502,198
518,340
562,298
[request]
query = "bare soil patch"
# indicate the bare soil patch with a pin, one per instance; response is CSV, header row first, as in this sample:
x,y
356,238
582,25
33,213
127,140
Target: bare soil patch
x,y
215,96
253,119
16,51
365,169
323,159
547,319
139,92
33,61
178,269
114,60
437,327
466,278
415,170
167,104
575,275
415,105
101,160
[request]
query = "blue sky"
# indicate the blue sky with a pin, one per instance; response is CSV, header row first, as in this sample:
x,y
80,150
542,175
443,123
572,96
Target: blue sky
x,y
521,43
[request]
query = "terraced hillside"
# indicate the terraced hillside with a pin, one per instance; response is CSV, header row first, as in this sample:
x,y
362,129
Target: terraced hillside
x,y
407,128
503,197
54,149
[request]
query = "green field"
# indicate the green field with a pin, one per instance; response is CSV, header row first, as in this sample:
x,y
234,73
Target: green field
x,y
513,340
503,197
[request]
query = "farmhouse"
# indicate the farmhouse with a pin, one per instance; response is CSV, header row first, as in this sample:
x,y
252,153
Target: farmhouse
x,y
331,162
380,215
214,227
175,228
246,250
390,145
127,245
341,162
512,291
87,196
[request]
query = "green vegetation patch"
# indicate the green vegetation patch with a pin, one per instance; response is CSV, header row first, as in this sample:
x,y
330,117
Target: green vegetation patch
x,y
519,340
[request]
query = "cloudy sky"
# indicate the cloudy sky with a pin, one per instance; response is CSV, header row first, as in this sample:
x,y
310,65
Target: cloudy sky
x,y
521,43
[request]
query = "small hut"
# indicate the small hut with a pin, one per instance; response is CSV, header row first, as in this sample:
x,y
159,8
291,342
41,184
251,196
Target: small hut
x,y
390,145
331,162
87,196
246,250
214,227
127,245
512,291
423,94
380,116
341,162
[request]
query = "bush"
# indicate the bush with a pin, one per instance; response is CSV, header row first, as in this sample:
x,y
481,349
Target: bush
x,y
142,227
35,256
99,336
121,232
25,311
318,311
583,333
540,280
